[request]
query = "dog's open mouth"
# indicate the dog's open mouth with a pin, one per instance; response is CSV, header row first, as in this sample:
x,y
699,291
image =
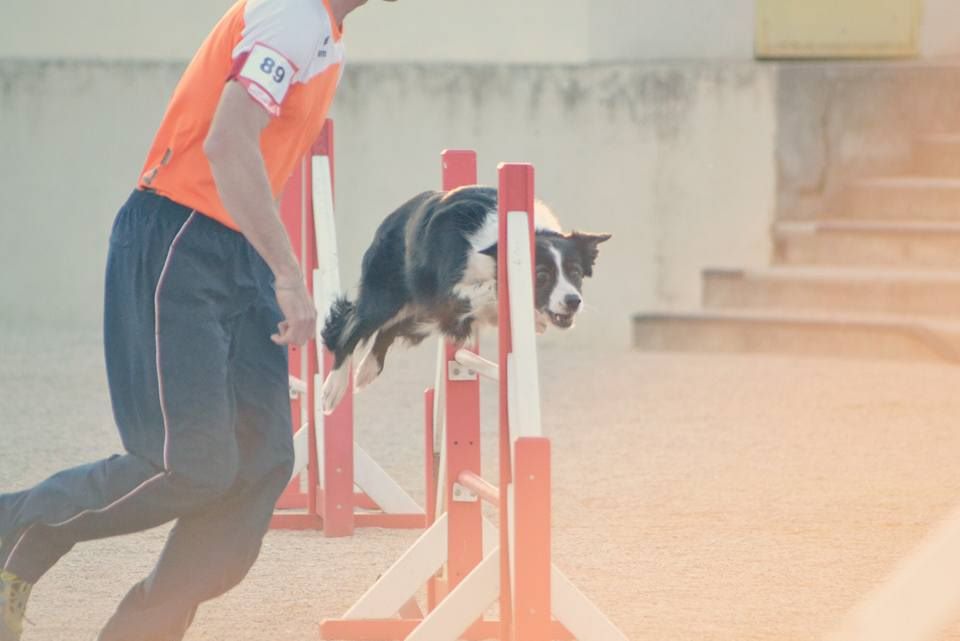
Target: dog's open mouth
x,y
563,321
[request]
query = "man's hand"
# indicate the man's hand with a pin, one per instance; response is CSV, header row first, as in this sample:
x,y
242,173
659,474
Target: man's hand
x,y
299,322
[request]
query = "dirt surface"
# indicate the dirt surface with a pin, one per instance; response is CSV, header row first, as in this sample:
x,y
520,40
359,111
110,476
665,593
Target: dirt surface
x,y
696,497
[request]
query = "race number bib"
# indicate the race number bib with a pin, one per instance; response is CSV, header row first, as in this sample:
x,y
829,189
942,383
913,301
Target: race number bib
x,y
267,75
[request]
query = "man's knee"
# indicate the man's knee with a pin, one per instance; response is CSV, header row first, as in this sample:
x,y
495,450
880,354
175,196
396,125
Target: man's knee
x,y
209,478
281,472
269,467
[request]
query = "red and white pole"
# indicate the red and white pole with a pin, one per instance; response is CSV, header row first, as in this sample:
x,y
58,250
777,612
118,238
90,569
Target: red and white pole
x,y
461,419
331,509
525,462
337,502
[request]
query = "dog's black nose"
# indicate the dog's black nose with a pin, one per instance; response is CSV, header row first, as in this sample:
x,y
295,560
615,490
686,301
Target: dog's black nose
x,y
572,301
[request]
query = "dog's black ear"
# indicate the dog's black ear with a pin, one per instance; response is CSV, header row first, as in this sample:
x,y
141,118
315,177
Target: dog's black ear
x,y
587,245
490,251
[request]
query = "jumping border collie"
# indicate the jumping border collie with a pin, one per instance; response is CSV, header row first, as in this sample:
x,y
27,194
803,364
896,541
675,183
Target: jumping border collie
x,y
432,267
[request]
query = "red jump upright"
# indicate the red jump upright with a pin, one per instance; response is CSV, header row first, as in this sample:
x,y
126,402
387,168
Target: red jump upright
x,y
336,486
465,563
461,411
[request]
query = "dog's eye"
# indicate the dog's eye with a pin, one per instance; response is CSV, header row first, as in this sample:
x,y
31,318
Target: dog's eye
x,y
543,278
575,271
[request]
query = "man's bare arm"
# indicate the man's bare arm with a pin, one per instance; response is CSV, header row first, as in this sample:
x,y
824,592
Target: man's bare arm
x,y
233,149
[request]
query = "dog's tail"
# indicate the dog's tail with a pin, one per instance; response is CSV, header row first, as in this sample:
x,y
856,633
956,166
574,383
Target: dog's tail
x,y
342,315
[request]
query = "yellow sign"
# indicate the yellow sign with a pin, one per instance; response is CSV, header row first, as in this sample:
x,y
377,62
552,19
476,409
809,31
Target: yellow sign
x,y
837,28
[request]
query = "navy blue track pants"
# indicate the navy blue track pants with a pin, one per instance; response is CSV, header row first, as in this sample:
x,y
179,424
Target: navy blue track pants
x,y
200,396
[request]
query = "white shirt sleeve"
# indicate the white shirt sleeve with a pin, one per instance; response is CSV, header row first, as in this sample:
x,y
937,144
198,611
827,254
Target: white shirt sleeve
x,y
279,42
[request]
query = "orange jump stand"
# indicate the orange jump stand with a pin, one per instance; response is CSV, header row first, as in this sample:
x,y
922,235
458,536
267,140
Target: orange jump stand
x,y
336,485
465,563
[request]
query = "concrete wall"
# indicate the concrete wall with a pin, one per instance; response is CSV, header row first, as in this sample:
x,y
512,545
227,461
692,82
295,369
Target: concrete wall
x,y
107,29
491,31
675,160
573,31
74,137
940,29
849,120
672,30
467,31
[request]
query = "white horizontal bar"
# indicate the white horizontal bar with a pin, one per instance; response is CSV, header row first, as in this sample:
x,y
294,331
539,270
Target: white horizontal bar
x,y
465,604
300,445
385,492
369,476
918,600
405,578
577,613
570,606
480,365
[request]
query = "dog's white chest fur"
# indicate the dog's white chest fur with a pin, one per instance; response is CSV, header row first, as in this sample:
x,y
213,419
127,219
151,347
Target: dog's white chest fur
x,y
479,283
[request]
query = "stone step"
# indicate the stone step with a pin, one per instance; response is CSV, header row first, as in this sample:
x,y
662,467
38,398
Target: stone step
x,y
762,331
903,199
901,292
937,156
839,242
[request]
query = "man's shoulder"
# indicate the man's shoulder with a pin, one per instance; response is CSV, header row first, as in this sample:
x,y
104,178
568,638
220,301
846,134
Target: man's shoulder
x,y
292,27
304,14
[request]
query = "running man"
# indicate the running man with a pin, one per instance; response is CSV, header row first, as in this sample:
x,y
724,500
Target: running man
x,y
203,296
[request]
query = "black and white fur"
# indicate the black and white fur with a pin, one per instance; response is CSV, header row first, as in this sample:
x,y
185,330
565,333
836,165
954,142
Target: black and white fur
x,y
432,267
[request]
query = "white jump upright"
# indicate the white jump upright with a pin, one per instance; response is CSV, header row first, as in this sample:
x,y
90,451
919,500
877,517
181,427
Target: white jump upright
x,y
464,562
336,485
920,598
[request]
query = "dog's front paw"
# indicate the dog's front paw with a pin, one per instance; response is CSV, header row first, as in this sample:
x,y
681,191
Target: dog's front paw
x,y
366,373
334,388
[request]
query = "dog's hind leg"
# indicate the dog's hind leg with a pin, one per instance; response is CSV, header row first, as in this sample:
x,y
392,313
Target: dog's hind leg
x,y
373,310
365,347
372,363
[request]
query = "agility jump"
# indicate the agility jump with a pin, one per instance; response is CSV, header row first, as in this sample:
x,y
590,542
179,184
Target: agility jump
x,y
466,564
336,485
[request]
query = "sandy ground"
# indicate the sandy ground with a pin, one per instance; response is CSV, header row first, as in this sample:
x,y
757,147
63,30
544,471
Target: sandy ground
x,y
696,497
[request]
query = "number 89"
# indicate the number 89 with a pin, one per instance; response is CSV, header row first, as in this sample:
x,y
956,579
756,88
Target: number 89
x,y
270,65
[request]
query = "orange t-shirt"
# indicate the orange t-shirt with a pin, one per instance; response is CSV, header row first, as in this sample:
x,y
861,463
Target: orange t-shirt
x,y
289,56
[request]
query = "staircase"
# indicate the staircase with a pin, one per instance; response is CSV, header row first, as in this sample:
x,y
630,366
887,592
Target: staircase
x,y
876,276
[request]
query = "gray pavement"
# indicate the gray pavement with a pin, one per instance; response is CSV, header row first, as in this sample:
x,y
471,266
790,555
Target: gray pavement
x,y
696,497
